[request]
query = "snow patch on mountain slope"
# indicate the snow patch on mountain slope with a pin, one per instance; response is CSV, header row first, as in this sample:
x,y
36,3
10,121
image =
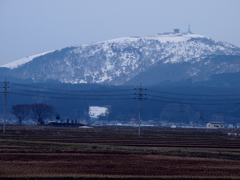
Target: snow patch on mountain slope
x,y
179,37
128,56
17,63
105,45
118,60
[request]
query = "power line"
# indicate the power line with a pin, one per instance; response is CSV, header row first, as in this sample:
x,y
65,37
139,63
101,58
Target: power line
x,y
69,94
67,97
196,99
72,90
190,94
124,95
191,103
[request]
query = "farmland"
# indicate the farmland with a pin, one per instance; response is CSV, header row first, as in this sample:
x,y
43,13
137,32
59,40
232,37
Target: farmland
x,y
117,152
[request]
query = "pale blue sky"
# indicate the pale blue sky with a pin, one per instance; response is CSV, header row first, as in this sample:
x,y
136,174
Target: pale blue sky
x,y
29,27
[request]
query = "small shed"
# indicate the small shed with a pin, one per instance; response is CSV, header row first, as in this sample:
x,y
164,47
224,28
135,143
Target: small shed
x,y
176,30
214,124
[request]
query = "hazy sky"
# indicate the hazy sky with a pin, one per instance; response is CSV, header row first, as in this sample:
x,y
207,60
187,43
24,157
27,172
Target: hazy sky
x,y
29,27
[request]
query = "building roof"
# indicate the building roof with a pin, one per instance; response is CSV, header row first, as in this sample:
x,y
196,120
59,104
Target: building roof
x,y
215,122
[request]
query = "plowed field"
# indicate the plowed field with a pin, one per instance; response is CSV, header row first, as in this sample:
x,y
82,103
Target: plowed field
x,y
118,153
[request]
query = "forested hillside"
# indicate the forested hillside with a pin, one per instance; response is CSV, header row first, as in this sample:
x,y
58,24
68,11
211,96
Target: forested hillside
x,y
161,103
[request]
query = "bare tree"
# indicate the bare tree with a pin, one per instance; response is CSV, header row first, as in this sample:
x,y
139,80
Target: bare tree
x,y
20,111
42,111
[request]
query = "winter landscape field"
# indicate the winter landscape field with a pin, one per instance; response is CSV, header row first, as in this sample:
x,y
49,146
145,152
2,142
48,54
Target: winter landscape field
x,y
33,152
123,89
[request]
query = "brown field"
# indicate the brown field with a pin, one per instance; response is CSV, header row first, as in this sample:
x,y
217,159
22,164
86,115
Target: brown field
x,y
117,152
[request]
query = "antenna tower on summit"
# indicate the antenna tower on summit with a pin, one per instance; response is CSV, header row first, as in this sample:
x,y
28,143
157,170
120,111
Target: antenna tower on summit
x,y
189,31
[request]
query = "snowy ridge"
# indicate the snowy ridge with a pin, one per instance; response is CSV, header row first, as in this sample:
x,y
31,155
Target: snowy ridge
x,y
17,63
129,56
119,60
178,37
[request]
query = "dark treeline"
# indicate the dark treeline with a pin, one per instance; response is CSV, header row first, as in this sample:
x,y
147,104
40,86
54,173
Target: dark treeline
x,y
161,104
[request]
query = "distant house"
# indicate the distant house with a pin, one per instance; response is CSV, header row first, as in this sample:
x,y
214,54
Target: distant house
x,y
176,30
215,124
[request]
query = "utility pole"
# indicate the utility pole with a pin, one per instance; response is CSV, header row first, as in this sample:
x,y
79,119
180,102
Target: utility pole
x,y
201,116
199,120
5,102
133,112
78,115
139,96
181,111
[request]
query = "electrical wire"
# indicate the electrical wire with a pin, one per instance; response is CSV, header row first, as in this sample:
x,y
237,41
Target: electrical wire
x,y
191,103
67,97
178,100
72,90
196,99
190,94
69,94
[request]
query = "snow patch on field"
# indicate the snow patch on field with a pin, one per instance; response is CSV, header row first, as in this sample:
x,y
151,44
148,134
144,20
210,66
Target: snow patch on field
x,y
95,111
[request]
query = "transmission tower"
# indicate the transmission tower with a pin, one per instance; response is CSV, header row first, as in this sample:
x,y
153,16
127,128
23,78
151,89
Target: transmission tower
x,y
140,97
189,30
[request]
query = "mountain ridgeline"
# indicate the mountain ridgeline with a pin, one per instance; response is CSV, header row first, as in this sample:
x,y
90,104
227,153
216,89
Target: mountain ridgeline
x,y
167,60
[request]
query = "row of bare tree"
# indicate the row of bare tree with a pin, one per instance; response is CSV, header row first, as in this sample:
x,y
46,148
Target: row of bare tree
x,y
38,111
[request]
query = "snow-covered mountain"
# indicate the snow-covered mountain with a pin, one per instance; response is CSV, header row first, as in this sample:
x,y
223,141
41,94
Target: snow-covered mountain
x,y
20,62
119,61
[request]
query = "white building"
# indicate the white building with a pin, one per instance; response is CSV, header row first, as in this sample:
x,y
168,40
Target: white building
x,y
214,124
